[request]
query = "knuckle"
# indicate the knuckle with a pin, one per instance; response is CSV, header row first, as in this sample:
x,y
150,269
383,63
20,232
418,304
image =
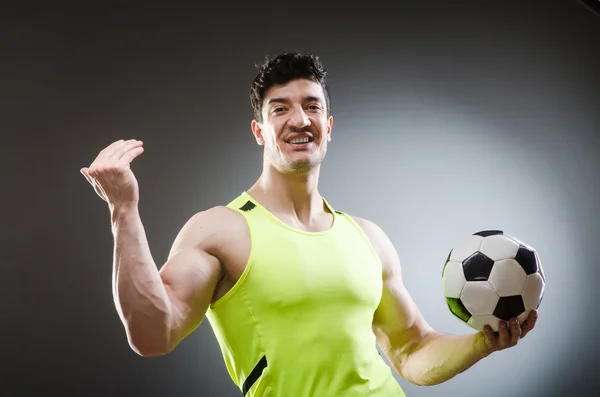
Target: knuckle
x,y
108,169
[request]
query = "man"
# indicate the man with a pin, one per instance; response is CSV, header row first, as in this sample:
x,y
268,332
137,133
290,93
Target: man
x,y
298,294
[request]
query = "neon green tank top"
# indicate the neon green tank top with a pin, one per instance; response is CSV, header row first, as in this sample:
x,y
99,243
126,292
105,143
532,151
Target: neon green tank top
x,y
298,323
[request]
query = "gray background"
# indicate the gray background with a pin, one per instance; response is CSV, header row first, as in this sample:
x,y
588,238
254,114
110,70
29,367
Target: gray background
x,y
448,119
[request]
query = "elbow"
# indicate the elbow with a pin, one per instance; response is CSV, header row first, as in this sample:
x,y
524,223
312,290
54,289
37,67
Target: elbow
x,y
415,363
417,379
147,351
422,373
423,377
433,379
145,345
427,381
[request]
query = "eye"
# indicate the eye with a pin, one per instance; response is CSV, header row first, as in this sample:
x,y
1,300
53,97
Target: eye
x,y
277,110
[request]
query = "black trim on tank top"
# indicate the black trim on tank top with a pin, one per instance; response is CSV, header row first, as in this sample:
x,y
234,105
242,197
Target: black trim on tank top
x,y
248,206
255,374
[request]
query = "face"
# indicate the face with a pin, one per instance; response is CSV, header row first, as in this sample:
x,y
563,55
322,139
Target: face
x,y
295,128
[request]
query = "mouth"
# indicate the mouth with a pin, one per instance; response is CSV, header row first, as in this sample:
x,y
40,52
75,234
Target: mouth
x,y
300,140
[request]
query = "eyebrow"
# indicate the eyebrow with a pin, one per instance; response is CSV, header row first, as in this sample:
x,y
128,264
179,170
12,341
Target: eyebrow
x,y
287,100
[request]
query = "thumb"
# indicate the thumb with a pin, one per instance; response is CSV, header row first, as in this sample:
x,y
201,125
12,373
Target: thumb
x,y
84,172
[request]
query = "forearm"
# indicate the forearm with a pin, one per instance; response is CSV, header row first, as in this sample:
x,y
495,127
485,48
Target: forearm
x,y
439,357
139,294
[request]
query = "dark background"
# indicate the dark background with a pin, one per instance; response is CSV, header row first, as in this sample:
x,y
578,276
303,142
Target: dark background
x,y
449,118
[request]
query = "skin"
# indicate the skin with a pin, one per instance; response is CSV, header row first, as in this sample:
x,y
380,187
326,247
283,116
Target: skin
x,y
159,308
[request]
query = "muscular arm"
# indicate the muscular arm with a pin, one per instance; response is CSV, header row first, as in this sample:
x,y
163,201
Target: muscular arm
x,y
415,350
160,308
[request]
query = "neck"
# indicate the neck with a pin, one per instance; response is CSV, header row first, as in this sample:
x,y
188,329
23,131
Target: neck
x,y
292,193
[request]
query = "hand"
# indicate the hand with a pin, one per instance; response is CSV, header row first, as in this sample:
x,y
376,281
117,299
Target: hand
x,y
509,333
110,173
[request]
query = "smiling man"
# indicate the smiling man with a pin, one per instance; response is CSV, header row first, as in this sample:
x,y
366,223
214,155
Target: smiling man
x,y
299,294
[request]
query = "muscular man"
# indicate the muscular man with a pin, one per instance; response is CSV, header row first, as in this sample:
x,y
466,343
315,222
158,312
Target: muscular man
x,y
299,294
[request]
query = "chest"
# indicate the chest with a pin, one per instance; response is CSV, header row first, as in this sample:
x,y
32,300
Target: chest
x,y
290,270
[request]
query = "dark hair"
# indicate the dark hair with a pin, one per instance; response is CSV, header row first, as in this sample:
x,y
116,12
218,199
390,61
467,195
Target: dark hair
x,y
281,70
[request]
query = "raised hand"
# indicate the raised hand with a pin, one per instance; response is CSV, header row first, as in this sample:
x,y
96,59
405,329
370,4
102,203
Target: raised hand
x,y
111,176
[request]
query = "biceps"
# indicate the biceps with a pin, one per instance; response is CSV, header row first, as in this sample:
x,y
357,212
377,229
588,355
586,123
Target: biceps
x,y
190,278
398,323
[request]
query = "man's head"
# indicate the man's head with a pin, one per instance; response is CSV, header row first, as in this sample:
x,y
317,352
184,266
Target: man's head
x,y
291,104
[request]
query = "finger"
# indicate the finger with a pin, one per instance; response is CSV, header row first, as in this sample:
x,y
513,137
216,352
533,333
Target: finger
x,y
515,332
84,172
115,153
529,323
89,175
94,173
100,192
132,154
91,172
110,147
503,337
107,159
491,337
126,148
106,151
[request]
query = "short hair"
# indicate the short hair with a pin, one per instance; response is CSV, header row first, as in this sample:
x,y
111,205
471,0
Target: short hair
x,y
282,69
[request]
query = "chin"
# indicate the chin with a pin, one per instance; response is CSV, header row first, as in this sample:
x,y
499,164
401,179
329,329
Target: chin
x,y
302,165
300,168
298,162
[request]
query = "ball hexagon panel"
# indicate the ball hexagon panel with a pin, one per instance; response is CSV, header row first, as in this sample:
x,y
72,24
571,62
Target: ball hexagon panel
x,y
498,247
507,277
527,258
478,322
477,267
509,307
479,298
453,279
533,291
466,248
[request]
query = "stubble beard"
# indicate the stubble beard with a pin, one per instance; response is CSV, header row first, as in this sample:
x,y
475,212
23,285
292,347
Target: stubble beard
x,y
299,167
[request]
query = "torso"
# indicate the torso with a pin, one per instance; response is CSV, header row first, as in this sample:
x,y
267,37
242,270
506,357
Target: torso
x,y
232,244
328,283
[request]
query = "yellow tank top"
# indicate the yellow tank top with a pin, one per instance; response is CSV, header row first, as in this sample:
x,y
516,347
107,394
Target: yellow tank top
x,y
298,323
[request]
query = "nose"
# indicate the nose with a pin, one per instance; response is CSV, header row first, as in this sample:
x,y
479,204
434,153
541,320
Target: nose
x,y
299,118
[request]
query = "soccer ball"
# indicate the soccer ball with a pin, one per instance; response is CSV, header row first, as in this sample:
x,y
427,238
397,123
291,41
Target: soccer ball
x,y
491,276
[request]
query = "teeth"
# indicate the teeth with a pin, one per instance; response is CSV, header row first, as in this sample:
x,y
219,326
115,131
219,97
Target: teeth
x,y
300,140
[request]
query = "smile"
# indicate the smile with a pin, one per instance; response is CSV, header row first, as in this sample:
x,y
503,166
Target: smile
x,y
304,139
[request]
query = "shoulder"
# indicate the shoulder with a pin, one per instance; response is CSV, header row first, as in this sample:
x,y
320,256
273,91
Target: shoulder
x,y
369,227
372,230
211,228
379,239
213,219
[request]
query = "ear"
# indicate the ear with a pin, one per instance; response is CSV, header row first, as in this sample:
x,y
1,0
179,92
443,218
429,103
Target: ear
x,y
329,127
257,131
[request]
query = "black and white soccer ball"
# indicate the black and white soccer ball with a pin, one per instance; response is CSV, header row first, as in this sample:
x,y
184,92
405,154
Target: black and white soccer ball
x,y
491,276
